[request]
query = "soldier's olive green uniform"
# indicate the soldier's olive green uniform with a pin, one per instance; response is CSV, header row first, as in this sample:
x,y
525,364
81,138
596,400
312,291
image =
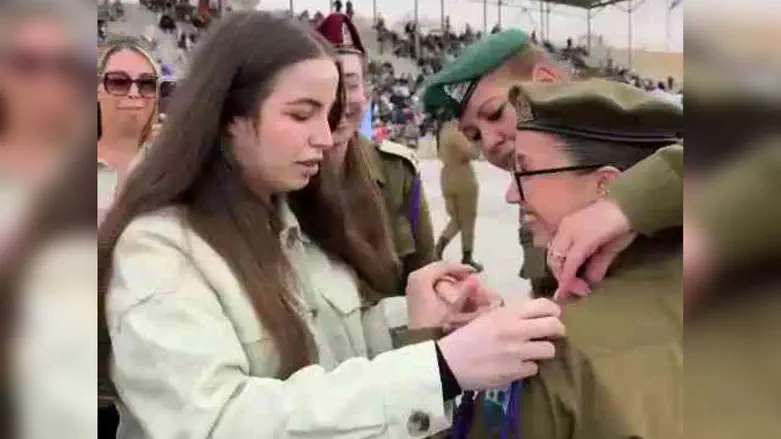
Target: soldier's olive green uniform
x,y
396,170
459,188
733,360
618,373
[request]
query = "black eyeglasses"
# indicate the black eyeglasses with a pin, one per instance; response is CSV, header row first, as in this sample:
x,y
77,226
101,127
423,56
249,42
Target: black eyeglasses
x,y
521,174
120,83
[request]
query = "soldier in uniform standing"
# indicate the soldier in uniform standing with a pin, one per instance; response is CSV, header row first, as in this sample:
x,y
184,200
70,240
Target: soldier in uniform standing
x,y
394,167
460,190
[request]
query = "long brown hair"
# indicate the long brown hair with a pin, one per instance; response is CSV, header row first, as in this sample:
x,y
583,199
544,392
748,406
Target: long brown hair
x,y
191,165
364,219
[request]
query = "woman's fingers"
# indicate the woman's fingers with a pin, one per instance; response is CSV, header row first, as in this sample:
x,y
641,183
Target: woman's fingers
x,y
537,350
543,328
438,270
527,369
455,293
573,289
600,262
530,309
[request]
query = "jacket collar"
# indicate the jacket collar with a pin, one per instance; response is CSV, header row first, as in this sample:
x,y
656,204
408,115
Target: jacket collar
x,y
291,229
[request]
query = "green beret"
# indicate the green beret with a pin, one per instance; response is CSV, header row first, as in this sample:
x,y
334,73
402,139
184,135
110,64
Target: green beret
x,y
598,109
450,89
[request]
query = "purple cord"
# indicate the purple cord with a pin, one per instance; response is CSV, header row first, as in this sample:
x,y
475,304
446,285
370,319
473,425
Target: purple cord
x,y
462,419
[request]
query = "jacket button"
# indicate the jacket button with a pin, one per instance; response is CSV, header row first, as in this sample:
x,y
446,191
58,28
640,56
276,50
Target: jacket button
x,y
418,423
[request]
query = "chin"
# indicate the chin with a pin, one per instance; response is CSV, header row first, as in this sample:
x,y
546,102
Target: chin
x,y
540,234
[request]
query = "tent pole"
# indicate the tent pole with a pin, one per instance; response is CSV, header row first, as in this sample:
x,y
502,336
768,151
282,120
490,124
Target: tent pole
x,y
588,31
629,26
485,17
499,12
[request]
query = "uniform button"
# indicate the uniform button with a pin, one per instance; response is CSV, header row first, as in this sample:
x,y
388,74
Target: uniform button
x,y
418,423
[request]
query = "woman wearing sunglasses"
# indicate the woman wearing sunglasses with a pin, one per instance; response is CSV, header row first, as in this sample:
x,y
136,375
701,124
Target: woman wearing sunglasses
x,y
128,78
45,64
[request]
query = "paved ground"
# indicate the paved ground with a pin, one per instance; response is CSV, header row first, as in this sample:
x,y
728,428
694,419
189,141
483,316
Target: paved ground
x,y
496,235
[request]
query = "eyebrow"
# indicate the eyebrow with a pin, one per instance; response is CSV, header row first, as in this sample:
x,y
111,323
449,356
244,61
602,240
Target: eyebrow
x,y
482,111
351,75
307,101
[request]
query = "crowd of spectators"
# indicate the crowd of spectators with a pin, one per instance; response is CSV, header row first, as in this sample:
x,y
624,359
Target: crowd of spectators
x,y
396,113
395,110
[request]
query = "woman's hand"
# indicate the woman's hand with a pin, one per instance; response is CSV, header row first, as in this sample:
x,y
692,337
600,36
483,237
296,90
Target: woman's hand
x,y
698,262
503,345
594,236
446,294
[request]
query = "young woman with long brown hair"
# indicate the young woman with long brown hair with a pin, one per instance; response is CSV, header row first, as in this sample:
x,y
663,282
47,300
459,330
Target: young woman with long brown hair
x,y
228,269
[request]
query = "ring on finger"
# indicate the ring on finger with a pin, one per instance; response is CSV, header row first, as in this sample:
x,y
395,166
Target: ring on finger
x,y
556,256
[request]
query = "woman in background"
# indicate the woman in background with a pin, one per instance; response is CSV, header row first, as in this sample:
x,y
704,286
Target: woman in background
x,y
45,68
128,89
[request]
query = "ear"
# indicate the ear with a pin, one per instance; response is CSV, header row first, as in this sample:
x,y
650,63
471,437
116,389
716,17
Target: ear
x,y
241,130
605,175
543,72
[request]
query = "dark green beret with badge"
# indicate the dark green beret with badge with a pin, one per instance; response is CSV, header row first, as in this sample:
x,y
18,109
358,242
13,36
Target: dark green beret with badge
x,y
450,89
598,110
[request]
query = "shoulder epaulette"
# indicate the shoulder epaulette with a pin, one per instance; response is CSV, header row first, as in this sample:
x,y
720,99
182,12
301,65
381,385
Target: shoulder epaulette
x,y
402,151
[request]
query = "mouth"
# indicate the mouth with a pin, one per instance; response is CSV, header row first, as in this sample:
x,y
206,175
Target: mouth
x,y
526,216
311,165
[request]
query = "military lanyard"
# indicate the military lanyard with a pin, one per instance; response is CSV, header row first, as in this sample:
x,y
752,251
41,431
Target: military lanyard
x,y
509,429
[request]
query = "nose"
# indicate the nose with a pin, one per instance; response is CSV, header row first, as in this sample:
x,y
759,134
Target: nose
x,y
133,91
322,138
490,141
513,193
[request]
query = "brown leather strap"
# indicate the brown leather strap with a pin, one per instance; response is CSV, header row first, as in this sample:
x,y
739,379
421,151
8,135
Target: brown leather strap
x,y
420,335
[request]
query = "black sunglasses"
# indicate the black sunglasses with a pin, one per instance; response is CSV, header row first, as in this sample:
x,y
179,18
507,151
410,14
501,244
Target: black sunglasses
x,y
521,174
28,63
120,83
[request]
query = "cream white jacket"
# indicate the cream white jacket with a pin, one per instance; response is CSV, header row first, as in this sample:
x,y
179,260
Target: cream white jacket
x,y
191,360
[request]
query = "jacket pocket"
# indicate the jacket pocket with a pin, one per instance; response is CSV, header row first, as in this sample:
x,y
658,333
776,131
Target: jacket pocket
x,y
259,348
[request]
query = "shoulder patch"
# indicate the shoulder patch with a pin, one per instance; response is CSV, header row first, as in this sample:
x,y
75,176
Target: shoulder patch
x,y
402,151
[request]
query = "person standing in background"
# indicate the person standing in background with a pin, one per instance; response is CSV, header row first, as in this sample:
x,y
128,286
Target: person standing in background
x,y
460,189
393,167
47,63
128,90
349,9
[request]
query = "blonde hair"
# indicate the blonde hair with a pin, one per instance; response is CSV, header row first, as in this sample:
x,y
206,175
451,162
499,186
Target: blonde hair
x,y
118,44
521,66
71,17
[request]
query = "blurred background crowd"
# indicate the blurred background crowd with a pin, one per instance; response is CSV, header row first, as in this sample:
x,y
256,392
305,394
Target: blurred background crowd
x,y
401,56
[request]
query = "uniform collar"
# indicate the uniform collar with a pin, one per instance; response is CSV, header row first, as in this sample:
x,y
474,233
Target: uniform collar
x,y
291,229
102,164
371,157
